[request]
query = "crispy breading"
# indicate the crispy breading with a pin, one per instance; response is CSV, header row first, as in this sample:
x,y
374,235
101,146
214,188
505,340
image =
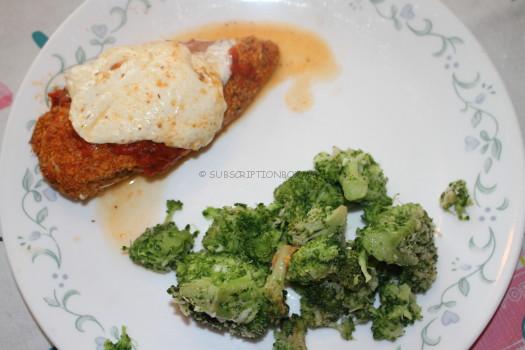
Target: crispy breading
x,y
81,170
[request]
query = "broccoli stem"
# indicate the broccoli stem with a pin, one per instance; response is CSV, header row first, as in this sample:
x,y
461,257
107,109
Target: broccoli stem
x,y
364,265
171,207
275,282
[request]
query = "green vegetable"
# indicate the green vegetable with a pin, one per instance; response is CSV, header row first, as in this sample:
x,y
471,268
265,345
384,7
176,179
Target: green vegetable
x,y
244,231
404,236
456,196
250,255
354,273
315,261
274,287
359,175
291,335
399,235
160,247
398,309
225,292
324,305
360,281
346,327
420,277
302,192
318,222
123,343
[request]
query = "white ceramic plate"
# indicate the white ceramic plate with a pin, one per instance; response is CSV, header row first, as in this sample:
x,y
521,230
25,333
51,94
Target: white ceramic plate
x,y
415,89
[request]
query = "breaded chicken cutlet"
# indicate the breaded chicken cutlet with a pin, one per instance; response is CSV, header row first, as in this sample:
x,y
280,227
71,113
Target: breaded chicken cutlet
x,y
80,170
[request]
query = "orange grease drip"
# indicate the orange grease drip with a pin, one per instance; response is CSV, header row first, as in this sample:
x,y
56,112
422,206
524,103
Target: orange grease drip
x,y
305,57
126,209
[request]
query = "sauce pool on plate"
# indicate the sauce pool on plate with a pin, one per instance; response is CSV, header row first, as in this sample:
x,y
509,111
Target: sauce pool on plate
x,y
125,210
305,57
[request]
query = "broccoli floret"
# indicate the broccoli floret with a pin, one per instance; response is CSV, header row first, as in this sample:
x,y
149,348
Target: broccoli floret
x,y
355,274
318,222
346,327
171,207
329,304
357,172
372,209
302,192
322,303
360,281
404,236
274,287
123,343
420,277
315,261
253,330
291,335
400,235
456,196
160,247
398,309
360,177
244,231
339,297
224,292
358,277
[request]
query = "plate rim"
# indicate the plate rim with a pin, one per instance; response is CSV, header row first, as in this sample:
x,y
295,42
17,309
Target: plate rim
x,y
516,252
519,223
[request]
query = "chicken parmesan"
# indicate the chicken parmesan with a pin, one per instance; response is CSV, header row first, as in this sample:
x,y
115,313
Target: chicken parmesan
x,y
140,109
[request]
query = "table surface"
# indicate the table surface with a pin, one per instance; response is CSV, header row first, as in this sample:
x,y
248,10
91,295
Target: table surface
x,y
498,25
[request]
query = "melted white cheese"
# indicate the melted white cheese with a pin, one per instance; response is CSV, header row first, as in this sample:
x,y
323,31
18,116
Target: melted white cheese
x,y
158,91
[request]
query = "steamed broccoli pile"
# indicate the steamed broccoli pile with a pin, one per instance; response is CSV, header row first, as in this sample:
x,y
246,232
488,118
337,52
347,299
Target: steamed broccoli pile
x,y
237,282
